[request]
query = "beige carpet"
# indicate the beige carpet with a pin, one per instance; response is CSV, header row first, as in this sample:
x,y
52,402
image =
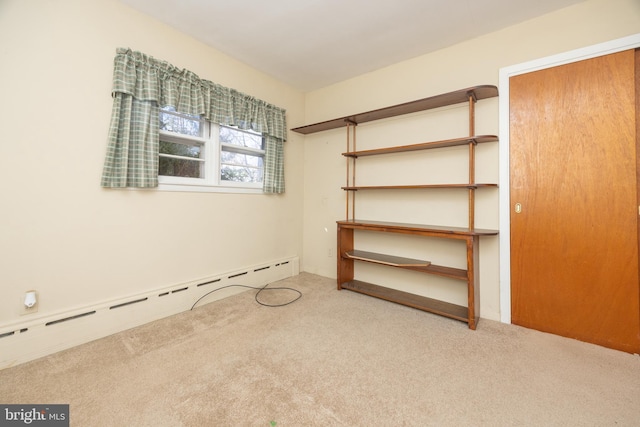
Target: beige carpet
x,y
331,359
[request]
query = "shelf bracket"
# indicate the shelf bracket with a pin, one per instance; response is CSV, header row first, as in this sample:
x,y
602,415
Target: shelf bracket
x,y
472,94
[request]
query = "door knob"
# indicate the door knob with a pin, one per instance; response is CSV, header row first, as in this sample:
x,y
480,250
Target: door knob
x,y
518,208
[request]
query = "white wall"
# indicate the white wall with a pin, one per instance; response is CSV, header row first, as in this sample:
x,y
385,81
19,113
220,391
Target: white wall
x,y
474,62
62,234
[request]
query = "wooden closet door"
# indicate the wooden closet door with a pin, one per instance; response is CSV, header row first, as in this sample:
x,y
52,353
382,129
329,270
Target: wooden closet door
x,y
574,203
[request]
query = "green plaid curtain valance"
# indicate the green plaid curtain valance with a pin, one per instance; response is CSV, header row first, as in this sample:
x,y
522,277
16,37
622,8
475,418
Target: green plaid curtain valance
x,y
155,83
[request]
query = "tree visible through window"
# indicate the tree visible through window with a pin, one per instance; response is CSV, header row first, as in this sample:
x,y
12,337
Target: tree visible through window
x,y
242,158
194,151
181,144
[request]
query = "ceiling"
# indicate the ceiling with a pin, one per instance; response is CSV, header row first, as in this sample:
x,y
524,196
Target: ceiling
x,y
310,44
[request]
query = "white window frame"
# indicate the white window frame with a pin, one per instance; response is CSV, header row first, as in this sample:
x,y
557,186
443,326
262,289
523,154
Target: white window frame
x,y
211,149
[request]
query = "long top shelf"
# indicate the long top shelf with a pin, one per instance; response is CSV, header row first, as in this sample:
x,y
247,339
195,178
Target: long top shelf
x,y
450,98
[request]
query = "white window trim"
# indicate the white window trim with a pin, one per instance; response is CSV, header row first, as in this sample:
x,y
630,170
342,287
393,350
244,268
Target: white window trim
x,y
192,188
212,148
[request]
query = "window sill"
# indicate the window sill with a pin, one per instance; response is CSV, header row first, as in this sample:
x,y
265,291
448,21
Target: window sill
x,y
207,189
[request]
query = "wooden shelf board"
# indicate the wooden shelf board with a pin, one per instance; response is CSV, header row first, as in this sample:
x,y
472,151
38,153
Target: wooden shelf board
x,y
393,261
411,300
416,228
451,98
417,187
424,146
439,270
408,264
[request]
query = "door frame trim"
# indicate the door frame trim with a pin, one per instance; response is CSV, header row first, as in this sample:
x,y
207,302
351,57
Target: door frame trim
x,y
613,46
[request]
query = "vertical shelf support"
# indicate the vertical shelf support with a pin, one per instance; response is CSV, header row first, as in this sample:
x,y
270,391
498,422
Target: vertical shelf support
x,y
347,195
473,285
345,265
473,275
472,161
351,169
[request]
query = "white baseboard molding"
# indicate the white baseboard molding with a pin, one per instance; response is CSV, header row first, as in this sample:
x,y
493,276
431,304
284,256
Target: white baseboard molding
x,y
42,335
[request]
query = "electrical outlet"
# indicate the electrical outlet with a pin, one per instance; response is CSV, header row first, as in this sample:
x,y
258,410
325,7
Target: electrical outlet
x,y
24,309
330,253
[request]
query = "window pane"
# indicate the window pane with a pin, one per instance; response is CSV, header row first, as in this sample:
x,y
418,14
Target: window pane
x,y
185,150
240,174
241,159
169,166
180,123
240,138
239,167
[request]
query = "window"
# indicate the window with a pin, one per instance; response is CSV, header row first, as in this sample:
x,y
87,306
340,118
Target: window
x,y
193,156
195,152
242,158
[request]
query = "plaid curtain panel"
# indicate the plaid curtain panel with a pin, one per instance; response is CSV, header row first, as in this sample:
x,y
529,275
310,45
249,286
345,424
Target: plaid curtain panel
x,y
132,153
273,181
141,84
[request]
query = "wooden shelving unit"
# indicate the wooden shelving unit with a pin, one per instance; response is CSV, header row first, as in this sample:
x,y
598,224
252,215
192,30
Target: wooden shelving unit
x,y
348,255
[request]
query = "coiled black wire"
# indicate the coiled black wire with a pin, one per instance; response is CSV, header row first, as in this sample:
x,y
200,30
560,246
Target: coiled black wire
x,y
260,290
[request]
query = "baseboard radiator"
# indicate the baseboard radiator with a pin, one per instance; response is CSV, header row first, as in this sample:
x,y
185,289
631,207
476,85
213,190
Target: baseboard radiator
x,y
38,336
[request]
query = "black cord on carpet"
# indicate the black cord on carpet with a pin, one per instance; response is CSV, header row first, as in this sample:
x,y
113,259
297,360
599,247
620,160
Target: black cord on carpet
x,y
260,290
